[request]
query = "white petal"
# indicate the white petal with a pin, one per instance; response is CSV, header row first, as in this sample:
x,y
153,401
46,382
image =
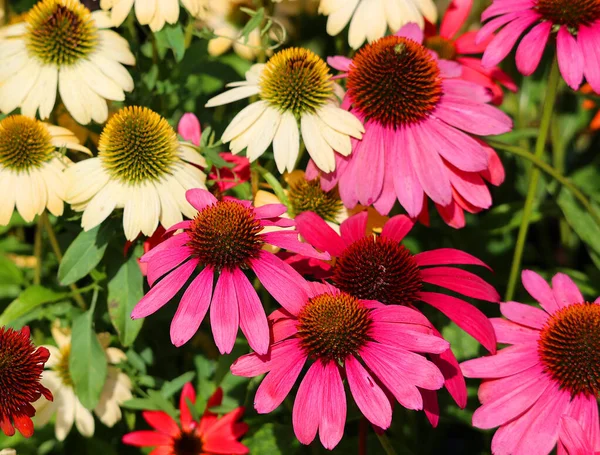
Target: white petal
x,y
318,149
243,120
114,70
341,120
115,47
191,155
84,420
55,189
84,180
169,209
149,209
102,19
68,87
27,201
133,214
338,141
7,190
286,143
102,205
8,48
170,10
18,29
254,73
144,10
266,127
42,94
339,19
429,10
65,414
177,192
100,83
120,11
359,24
14,89
13,63
232,95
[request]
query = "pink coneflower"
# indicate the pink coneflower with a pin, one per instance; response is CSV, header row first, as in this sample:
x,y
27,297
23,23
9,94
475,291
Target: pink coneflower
x,y
575,23
544,387
210,436
379,267
225,239
465,50
417,113
340,332
224,178
21,366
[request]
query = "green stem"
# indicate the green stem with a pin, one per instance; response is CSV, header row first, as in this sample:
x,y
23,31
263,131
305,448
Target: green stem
x,y
37,252
386,444
189,31
548,109
57,251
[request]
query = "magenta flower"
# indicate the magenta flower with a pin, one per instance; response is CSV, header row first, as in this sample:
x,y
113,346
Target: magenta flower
x,y
544,387
380,268
374,347
464,50
417,113
576,24
225,239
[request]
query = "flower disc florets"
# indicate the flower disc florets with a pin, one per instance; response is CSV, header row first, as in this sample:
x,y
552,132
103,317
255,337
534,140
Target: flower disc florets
x,y
25,143
226,235
394,81
137,144
187,443
572,13
296,80
569,347
378,268
60,32
308,196
334,326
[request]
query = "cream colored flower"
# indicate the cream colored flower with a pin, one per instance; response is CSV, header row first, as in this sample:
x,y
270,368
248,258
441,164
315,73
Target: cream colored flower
x,y
62,45
31,166
297,97
142,168
369,19
153,12
66,405
8,452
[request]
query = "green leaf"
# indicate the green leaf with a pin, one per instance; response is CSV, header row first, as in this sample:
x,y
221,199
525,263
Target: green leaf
x,y
580,220
84,253
176,40
87,362
125,290
170,387
162,403
141,404
257,18
29,299
463,345
9,272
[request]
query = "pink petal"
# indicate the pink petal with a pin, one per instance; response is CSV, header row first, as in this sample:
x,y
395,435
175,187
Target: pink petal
x,y
573,437
539,289
457,13
471,188
460,281
589,42
464,315
332,406
164,291
146,439
510,405
531,48
253,320
283,328
278,383
251,365
447,256
406,183
339,62
506,6
306,413
449,69
468,43
269,211
181,225
192,308
411,31
399,314
585,411
172,242
397,227
429,167
200,198
570,58
494,389
165,261
454,381
370,162
354,228
565,291
369,397
281,281
189,128
319,234
224,312
524,314
161,422
506,39
472,117
289,240
506,362
495,171
508,332
386,200
431,406
486,33
389,334
187,393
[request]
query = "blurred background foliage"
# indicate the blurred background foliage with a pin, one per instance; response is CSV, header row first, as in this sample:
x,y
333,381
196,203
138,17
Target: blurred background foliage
x,y
175,74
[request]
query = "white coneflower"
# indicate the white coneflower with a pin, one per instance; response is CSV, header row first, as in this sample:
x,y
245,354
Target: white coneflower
x,y
154,13
31,166
295,89
141,167
66,405
63,45
369,19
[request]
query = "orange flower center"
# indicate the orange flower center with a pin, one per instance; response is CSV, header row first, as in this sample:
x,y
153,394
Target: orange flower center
x,y
394,81
226,235
569,348
571,13
378,268
333,326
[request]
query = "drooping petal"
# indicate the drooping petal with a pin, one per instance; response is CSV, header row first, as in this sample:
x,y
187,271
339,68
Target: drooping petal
x,y
332,407
253,320
319,234
224,312
506,362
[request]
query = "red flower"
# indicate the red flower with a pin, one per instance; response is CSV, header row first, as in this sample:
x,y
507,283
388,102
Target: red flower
x,y
212,435
21,366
